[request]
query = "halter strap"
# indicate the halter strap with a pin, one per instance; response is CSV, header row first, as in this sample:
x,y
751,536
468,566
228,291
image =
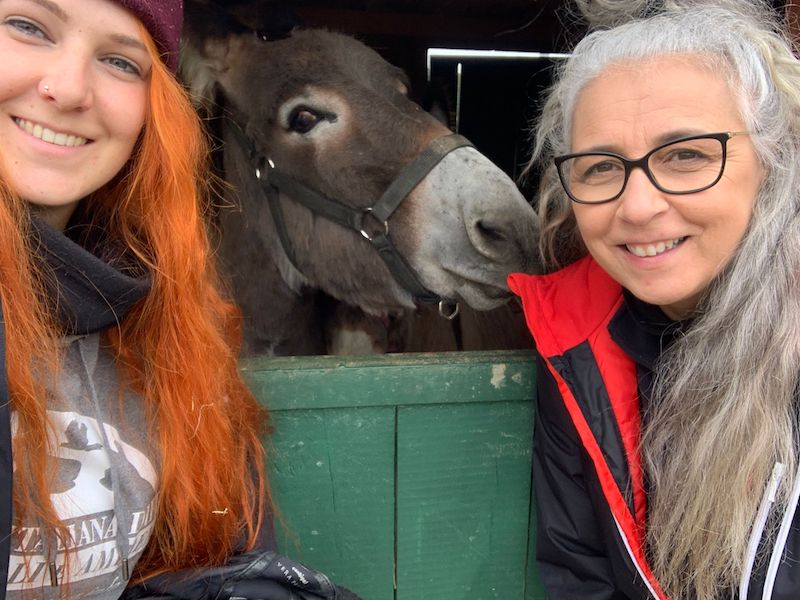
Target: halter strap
x,y
412,174
273,180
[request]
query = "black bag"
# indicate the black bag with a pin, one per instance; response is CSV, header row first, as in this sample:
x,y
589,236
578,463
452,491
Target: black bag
x,y
256,575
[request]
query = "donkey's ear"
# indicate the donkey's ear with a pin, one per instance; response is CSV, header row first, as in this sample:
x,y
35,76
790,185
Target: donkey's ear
x,y
216,51
207,27
202,63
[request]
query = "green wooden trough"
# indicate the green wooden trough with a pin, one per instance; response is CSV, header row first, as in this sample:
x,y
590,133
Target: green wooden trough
x,y
405,477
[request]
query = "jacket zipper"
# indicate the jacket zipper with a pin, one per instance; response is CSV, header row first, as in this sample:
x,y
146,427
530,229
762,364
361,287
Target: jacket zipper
x,y
635,562
783,534
767,500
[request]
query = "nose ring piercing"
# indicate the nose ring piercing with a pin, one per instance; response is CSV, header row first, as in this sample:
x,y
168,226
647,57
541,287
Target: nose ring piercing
x,y
46,88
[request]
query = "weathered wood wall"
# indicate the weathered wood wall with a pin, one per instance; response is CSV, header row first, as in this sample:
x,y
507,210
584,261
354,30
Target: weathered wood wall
x,y
406,477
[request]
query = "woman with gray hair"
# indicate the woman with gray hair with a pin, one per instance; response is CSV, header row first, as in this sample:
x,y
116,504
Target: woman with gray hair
x,y
666,445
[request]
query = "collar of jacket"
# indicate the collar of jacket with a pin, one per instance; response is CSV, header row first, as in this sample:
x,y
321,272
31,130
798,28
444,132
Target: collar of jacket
x,y
644,331
91,290
568,313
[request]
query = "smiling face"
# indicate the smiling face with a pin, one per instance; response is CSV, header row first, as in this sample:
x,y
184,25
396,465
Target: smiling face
x,y
73,97
664,248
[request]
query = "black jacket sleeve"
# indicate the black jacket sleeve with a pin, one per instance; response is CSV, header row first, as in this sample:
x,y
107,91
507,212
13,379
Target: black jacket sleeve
x,y
256,575
569,538
260,574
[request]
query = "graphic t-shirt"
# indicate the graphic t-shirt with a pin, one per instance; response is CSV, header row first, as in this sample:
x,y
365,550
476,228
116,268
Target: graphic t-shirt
x,y
105,489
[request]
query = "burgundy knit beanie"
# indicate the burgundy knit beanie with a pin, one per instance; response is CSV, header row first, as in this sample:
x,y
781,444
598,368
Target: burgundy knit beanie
x,y
163,19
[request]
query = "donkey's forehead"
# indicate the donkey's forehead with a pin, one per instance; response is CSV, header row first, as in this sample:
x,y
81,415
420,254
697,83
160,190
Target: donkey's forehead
x,y
313,56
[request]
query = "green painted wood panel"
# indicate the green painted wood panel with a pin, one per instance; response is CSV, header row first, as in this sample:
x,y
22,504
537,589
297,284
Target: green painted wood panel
x,y
533,585
332,475
391,379
405,477
463,500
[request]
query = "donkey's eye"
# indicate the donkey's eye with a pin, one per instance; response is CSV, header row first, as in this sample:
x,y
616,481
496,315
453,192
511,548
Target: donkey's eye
x,y
303,120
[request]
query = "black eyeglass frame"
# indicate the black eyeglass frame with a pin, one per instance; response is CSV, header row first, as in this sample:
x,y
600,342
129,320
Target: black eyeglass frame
x,y
641,163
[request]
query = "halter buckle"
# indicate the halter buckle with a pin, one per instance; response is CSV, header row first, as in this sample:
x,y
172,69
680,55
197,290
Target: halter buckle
x,y
370,235
448,310
263,163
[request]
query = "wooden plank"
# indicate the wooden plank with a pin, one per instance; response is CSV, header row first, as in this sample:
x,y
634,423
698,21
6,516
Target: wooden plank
x,y
332,474
534,590
463,500
419,474
392,380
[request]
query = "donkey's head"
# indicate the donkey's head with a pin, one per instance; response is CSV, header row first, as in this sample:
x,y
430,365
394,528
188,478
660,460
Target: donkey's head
x,y
330,113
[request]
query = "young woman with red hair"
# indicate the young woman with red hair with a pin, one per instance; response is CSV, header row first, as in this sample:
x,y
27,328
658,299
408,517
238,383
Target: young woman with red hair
x,y
136,445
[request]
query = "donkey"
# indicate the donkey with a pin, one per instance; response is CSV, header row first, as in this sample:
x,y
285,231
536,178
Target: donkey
x,y
347,194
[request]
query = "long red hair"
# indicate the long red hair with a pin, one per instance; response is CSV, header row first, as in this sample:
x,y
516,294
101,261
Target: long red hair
x,y
178,347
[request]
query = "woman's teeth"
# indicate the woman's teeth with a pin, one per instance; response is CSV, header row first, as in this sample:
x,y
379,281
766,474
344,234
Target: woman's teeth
x,y
48,135
653,249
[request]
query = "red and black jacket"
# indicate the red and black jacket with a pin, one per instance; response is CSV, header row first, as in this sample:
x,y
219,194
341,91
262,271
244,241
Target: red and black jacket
x,y
586,466
596,353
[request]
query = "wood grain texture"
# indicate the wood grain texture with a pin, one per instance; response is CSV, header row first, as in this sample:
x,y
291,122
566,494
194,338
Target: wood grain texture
x,y
332,475
463,498
406,477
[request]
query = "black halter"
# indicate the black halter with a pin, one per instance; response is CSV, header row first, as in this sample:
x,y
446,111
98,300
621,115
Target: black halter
x,y
371,222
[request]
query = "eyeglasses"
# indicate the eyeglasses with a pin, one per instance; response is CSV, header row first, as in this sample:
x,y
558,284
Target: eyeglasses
x,y
685,166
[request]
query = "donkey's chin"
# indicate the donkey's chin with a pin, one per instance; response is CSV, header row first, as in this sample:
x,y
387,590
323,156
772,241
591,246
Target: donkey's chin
x,y
482,296
484,290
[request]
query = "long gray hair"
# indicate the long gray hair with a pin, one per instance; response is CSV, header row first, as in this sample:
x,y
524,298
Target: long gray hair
x,y
723,406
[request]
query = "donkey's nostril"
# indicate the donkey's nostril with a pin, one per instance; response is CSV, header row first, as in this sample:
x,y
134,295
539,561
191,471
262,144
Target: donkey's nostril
x,y
490,232
493,238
